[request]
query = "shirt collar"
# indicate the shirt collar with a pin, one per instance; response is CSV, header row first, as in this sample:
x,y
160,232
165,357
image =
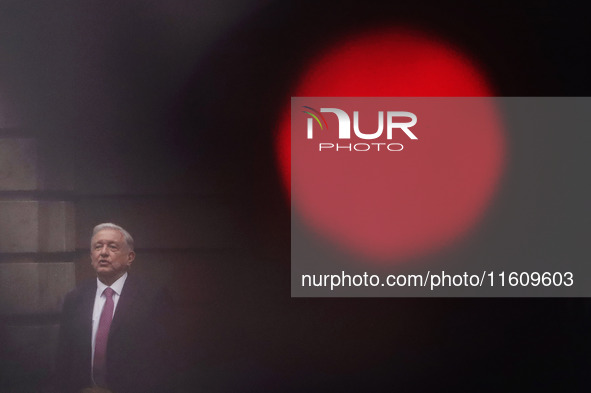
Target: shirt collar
x,y
117,286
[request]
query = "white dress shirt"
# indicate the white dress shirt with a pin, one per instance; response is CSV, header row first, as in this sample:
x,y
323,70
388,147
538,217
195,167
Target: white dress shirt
x,y
99,303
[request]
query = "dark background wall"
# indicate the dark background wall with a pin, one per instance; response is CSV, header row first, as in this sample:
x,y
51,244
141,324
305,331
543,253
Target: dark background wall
x,y
160,116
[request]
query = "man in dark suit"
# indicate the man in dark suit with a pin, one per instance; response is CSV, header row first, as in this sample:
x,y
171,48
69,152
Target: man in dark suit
x,y
114,329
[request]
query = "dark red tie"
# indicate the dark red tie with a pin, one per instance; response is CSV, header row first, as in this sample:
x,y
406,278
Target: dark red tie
x,y
99,370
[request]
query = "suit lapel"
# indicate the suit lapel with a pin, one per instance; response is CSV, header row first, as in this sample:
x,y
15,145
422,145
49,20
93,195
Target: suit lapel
x,y
124,306
88,306
85,322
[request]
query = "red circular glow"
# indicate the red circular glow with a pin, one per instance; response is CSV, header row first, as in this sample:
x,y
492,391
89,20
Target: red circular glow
x,y
437,193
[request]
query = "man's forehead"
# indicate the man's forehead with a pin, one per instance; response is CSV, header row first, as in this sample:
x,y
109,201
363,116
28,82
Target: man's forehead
x,y
108,235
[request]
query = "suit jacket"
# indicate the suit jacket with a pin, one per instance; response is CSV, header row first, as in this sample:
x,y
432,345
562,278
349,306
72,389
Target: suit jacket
x,y
138,355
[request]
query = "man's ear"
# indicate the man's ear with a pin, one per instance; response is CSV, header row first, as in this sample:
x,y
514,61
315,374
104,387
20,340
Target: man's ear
x,y
130,258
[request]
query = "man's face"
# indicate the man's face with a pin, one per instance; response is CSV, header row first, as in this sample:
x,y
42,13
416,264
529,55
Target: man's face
x,y
110,254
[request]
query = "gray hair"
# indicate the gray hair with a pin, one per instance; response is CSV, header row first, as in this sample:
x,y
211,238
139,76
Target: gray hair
x,y
108,225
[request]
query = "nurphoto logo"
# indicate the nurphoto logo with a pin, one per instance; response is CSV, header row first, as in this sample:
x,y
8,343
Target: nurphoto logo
x,y
393,122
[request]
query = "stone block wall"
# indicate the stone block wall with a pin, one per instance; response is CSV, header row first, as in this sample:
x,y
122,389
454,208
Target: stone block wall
x,y
37,244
